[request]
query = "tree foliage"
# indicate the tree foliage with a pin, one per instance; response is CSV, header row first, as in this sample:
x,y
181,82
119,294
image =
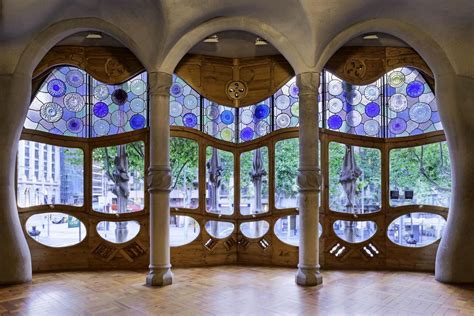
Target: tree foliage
x,y
286,168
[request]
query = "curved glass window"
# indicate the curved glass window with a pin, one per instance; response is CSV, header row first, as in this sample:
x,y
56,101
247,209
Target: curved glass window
x,y
61,105
287,229
185,104
118,178
183,230
218,229
254,229
219,181
118,232
354,179
219,121
254,120
49,174
412,107
286,105
184,161
353,109
55,229
420,175
354,231
416,229
286,169
254,181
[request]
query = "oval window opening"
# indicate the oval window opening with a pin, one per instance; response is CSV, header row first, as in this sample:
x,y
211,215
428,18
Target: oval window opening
x,y
287,229
183,230
218,229
416,229
354,231
118,232
55,229
254,229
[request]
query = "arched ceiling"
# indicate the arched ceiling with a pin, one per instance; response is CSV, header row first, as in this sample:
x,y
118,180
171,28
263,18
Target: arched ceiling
x,y
307,25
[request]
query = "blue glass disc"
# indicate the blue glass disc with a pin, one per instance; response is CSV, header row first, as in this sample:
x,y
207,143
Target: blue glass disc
x,y
372,109
227,117
74,125
397,125
101,109
261,111
137,121
190,120
119,96
246,134
334,122
415,89
57,88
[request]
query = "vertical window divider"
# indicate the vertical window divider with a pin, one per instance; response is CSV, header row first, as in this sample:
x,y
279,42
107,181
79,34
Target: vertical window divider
x,y
323,98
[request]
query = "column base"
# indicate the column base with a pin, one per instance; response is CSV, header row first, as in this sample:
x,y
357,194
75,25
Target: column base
x,y
159,277
308,277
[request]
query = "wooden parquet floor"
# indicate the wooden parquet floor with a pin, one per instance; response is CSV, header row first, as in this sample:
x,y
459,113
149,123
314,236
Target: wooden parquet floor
x,y
236,290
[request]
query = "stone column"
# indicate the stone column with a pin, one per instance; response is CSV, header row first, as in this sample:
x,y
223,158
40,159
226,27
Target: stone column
x,y
159,180
309,181
15,258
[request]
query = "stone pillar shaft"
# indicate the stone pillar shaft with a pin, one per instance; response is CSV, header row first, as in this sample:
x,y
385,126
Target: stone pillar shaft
x,y
309,180
159,180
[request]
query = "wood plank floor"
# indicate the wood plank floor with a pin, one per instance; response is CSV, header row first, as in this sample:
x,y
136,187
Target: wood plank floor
x,y
236,290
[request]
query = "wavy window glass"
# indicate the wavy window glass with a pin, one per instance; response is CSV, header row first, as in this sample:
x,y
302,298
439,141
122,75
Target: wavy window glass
x,y
286,169
354,179
218,229
353,109
119,108
60,105
118,232
286,105
254,229
219,181
219,121
184,161
48,174
420,175
118,178
416,229
55,229
412,107
254,181
183,230
185,105
355,231
254,121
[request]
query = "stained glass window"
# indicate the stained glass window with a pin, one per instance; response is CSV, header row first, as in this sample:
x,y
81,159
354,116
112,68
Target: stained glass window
x,y
412,107
119,108
219,121
254,120
353,109
185,104
59,107
286,105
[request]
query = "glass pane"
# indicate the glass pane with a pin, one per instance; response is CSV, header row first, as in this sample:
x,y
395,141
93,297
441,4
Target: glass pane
x,y
219,121
416,229
119,108
59,106
184,161
287,229
118,232
412,107
354,179
353,109
183,230
49,174
286,105
219,229
354,231
420,175
219,181
118,178
55,229
254,181
286,169
255,120
254,229
184,104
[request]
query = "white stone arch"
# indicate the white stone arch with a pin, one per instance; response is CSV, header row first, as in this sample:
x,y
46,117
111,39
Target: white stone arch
x,y
279,40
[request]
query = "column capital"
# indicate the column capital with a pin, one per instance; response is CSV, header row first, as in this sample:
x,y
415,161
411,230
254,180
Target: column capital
x,y
308,83
159,178
159,83
309,179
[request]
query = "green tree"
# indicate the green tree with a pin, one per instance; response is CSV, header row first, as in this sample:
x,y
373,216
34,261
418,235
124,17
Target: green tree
x,y
286,168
